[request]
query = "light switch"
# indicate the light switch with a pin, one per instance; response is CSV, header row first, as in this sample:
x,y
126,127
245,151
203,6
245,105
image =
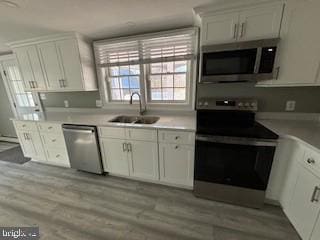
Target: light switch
x,y
290,106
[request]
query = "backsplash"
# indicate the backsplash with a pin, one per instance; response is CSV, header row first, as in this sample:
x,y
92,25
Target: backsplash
x,y
270,99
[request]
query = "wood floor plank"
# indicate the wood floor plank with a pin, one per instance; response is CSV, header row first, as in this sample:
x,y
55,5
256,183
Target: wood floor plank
x,y
68,204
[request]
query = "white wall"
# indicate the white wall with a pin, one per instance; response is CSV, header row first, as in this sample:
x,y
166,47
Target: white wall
x,y
6,126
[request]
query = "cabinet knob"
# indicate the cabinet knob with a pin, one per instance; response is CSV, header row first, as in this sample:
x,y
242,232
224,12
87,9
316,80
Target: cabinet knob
x,y
53,140
49,127
177,137
58,155
176,147
23,125
311,161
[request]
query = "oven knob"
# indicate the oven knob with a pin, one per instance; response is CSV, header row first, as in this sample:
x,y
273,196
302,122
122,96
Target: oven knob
x,y
240,104
247,105
254,104
206,104
200,103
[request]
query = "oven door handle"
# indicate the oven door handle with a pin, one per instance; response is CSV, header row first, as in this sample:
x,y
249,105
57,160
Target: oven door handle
x,y
238,140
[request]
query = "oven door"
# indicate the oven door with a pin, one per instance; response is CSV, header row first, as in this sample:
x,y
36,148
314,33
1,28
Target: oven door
x,y
240,162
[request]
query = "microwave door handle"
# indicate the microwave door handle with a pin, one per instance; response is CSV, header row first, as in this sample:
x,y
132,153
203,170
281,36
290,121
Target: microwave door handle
x,y
258,60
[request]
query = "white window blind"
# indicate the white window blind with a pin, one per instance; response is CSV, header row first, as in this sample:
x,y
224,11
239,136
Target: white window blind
x,y
156,65
150,48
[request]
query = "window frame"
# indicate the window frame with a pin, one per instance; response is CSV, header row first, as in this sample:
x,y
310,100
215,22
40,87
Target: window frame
x,y
191,76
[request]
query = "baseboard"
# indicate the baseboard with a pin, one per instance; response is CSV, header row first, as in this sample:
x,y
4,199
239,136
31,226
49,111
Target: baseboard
x,y
9,139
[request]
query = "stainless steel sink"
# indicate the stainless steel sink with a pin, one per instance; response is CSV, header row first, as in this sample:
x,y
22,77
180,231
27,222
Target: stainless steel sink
x,y
135,119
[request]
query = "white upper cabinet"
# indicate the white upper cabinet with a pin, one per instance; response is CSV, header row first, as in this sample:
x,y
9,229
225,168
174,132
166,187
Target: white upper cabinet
x,y
299,48
242,24
261,22
70,63
219,28
30,68
51,65
57,63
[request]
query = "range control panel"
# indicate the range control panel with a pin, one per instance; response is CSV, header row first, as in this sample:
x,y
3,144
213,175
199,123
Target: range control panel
x,y
245,104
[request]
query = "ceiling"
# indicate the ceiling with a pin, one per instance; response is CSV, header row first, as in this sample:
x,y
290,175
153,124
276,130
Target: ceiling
x,y
94,18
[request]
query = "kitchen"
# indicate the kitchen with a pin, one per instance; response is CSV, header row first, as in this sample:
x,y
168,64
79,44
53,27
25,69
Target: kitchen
x,y
199,120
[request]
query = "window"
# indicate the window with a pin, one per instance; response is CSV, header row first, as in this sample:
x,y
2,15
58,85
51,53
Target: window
x,y
158,66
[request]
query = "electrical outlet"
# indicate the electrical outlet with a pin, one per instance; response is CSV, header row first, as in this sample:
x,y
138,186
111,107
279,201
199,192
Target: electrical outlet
x,y
66,103
43,96
290,106
98,103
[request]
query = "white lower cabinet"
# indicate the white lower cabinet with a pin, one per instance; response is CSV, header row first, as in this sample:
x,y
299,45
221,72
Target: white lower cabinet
x,y
160,156
31,144
304,205
316,230
143,159
176,164
114,155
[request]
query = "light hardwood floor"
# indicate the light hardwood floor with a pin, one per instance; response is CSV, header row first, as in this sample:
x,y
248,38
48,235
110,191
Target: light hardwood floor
x,y
67,204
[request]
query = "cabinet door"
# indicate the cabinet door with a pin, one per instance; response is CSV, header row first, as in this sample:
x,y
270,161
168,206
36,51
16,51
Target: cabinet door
x,y
26,145
50,60
70,61
299,49
143,160
316,230
30,68
261,22
220,28
304,206
38,151
176,164
115,157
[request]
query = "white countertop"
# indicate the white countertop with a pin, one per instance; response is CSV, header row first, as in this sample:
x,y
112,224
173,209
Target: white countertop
x,y
306,131
187,122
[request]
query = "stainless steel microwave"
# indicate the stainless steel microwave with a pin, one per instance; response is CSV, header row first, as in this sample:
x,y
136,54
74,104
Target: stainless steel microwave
x,y
239,62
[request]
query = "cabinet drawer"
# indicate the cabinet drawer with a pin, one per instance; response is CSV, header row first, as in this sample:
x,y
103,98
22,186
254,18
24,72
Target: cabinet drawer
x,y
52,140
178,137
58,156
311,160
112,132
141,134
50,127
25,125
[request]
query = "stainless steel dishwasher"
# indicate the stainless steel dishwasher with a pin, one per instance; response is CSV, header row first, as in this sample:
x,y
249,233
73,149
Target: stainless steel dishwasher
x,y
83,148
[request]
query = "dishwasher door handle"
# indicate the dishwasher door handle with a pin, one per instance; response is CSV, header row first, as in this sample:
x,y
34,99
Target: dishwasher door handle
x,y
77,130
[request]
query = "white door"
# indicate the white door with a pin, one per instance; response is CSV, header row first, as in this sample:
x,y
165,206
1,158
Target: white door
x,y
261,22
70,61
143,159
304,208
220,28
316,230
52,65
115,156
176,164
22,102
30,66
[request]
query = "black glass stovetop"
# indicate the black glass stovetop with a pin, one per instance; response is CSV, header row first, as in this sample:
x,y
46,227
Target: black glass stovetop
x,y
232,123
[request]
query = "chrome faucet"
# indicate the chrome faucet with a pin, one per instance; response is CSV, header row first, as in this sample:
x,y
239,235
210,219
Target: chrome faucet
x,y
142,111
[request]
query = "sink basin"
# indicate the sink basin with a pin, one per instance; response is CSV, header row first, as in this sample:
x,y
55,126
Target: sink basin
x,y
135,119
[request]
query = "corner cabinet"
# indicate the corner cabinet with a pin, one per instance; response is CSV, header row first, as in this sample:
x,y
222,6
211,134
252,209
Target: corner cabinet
x,y
242,24
58,63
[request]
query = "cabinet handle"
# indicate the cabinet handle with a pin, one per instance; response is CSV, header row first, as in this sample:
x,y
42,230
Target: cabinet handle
x,y
64,83
235,28
23,125
315,196
129,147
49,127
60,83
242,29
30,83
35,84
176,147
124,147
58,155
311,161
53,140
27,136
24,135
